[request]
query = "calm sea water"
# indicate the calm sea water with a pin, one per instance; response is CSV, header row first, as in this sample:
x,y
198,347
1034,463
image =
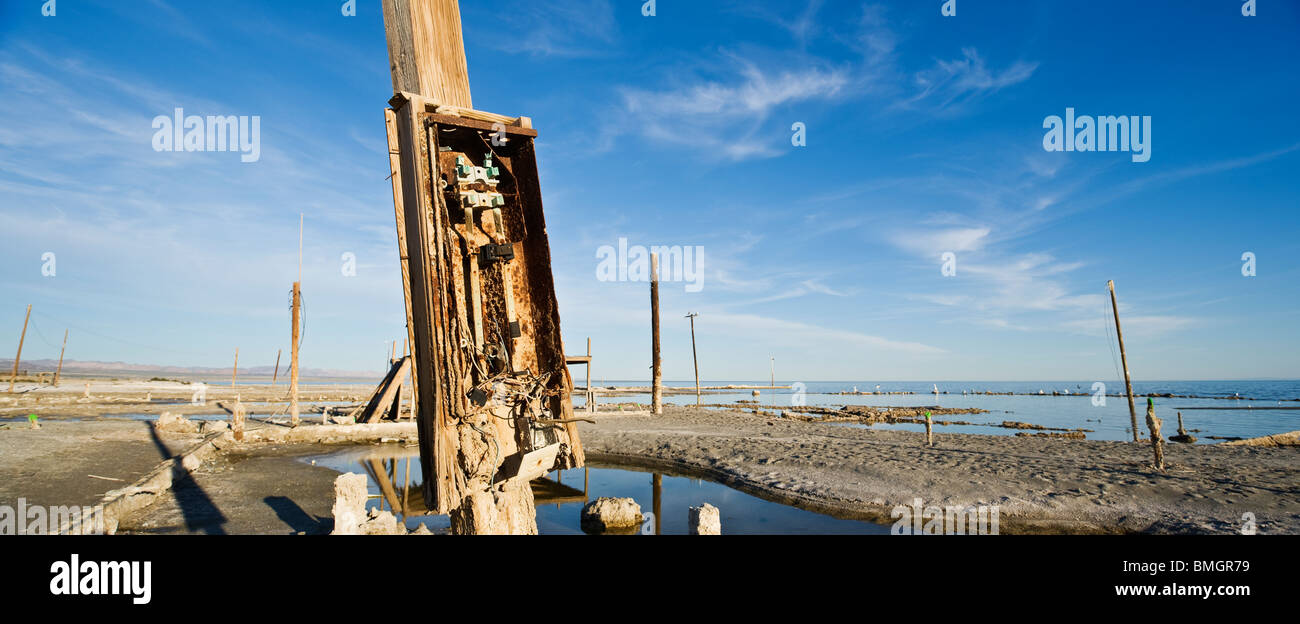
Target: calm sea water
x,y
1108,422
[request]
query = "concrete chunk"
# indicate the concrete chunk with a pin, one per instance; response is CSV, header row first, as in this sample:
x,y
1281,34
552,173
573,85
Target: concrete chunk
x,y
607,514
705,520
349,504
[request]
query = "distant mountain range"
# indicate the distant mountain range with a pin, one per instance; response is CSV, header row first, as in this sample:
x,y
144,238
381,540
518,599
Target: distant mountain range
x,y
123,368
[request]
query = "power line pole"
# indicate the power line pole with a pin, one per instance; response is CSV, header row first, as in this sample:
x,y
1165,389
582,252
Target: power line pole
x,y
234,372
276,374
773,370
1128,385
18,357
695,357
293,334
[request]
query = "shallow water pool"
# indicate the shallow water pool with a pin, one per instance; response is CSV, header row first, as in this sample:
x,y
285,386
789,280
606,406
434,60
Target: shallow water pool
x,y
664,498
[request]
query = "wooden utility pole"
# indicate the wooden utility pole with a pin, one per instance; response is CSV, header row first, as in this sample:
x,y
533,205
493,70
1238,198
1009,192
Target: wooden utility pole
x,y
1128,384
293,334
695,358
773,358
234,372
59,371
657,391
13,378
425,50
276,374
293,354
460,272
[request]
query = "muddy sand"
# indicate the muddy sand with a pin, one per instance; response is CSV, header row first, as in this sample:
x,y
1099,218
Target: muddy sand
x,y
1040,484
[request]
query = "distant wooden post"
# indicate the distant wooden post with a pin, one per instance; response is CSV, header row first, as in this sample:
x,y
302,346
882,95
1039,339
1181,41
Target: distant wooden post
x,y
1128,385
276,374
293,354
656,393
59,371
234,372
14,377
929,430
695,358
591,394
773,370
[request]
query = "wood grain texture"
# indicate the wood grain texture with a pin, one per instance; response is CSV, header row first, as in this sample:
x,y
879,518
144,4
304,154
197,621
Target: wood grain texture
x,y
426,54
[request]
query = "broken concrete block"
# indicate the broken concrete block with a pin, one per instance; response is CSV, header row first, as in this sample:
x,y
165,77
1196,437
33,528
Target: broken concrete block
x,y
607,514
175,423
349,504
705,520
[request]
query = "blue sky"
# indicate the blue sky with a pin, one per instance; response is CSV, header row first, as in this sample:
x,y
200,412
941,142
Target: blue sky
x,y
924,136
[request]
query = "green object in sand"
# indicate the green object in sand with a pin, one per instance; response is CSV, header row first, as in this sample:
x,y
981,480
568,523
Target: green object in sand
x,y
927,415
31,417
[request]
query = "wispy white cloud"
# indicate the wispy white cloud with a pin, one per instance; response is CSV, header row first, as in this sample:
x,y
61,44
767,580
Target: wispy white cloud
x,y
949,86
935,242
726,117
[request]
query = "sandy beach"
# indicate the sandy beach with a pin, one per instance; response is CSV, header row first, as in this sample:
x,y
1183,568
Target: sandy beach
x,y
1040,484
86,448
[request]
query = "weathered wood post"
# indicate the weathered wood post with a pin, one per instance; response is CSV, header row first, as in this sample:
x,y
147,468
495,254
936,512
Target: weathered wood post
x,y
276,375
1157,444
237,421
23,337
59,371
656,392
234,371
1128,385
293,354
591,394
929,430
456,270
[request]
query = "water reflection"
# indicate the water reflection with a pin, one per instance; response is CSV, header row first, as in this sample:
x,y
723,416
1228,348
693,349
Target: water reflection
x,y
665,501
